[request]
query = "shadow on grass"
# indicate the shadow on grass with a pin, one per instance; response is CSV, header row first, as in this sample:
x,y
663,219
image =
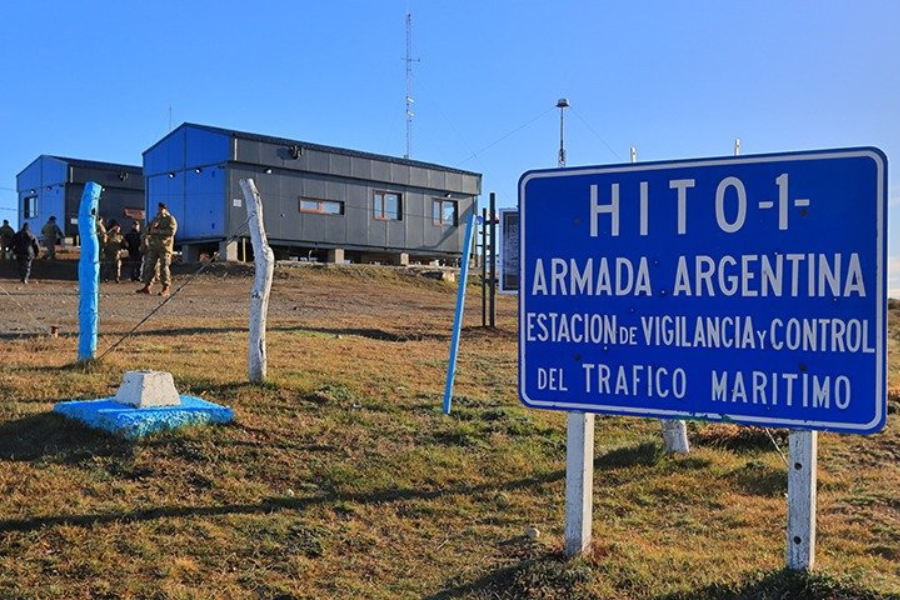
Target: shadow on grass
x,y
646,454
548,576
50,435
783,585
273,504
759,479
551,577
739,438
54,438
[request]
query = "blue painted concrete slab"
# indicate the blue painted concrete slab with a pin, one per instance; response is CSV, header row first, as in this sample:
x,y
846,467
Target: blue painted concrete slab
x,y
130,422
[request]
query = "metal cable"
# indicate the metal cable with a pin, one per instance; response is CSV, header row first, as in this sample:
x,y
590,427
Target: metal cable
x,y
591,129
511,133
777,447
25,310
189,278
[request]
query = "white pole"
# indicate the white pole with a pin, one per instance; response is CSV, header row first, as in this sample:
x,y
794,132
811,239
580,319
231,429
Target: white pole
x,y
675,437
579,482
264,260
801,517
675,440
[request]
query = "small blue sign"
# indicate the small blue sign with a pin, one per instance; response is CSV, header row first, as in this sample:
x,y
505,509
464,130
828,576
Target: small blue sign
x,y
744,289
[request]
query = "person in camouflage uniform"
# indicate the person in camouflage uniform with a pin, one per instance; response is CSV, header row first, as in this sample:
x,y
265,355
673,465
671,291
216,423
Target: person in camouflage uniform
x,y
112,251
159,243
101,234
51,234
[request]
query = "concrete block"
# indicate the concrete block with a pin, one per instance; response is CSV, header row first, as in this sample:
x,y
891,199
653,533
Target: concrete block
x,y
147,388
336,256
228,251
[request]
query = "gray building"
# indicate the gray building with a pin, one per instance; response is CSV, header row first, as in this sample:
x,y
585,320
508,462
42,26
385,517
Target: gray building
x,y
318,201
53,185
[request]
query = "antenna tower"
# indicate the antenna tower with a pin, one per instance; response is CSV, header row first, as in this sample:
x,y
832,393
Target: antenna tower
x,y
409,99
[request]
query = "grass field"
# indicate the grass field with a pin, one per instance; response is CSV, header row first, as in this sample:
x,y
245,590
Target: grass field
x,y
341,478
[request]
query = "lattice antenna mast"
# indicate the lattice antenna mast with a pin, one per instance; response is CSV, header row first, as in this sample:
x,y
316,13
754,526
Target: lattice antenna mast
x,y
409,73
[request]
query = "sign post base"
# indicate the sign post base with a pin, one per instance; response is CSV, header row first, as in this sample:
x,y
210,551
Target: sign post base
x,y
579,482
801,517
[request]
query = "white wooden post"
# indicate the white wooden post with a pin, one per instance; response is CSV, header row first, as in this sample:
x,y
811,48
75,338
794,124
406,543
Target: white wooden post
x,y
264,260
579,482
675,440
801,517
675,437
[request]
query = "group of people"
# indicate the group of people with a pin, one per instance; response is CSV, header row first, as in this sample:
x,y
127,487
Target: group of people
x,y
114,246
149,253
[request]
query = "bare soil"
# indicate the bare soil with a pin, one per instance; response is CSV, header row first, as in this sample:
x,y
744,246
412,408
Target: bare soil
x,y
220,291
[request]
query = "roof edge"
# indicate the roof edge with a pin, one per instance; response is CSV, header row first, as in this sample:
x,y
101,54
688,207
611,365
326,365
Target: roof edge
x,y
312,146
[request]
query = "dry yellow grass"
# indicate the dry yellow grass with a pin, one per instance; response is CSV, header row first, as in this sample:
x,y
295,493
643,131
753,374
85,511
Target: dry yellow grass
x,y
340,478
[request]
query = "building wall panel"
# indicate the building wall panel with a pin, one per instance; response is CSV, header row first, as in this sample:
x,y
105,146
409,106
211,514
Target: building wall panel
x,y
339,165
167,155
204,195
205,147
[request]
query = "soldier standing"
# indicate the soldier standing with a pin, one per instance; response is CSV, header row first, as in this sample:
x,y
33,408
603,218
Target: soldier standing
x,y
51,234
101,234
160,240
6,238
115,242
133,244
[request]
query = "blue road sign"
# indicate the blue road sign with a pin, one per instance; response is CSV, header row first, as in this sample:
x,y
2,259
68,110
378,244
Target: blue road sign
x,y
748,289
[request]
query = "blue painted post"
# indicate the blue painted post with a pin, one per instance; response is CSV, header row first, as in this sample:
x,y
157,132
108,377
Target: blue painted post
x,y
460,305
88,272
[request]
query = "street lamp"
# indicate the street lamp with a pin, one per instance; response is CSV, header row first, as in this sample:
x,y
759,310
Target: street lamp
x,y
562,104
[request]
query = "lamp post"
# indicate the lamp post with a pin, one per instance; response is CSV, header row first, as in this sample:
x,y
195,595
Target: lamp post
x,y
562,104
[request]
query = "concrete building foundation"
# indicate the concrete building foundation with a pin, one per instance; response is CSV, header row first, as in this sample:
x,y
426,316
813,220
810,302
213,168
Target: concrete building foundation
x,y
190,254
336,256
228,250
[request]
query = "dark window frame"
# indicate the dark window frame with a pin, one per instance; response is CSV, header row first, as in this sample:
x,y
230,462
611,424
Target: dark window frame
x,y
321,210
440,202
30,207
379,205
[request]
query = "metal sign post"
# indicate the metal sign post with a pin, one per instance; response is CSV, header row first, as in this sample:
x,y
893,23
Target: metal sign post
x,y
460,309
745,289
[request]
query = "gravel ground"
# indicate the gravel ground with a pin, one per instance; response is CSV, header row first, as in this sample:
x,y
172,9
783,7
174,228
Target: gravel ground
x,y
300,293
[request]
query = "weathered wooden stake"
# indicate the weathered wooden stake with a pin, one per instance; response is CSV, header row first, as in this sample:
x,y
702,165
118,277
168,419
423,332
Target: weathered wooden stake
x,y
264,260
579,482
801,515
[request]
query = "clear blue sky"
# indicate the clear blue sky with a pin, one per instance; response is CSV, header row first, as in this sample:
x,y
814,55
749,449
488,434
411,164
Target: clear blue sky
x,y
95,80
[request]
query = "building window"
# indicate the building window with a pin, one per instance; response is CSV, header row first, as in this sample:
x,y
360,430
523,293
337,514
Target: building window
x,y
443,211
387,206
30,208
322,207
